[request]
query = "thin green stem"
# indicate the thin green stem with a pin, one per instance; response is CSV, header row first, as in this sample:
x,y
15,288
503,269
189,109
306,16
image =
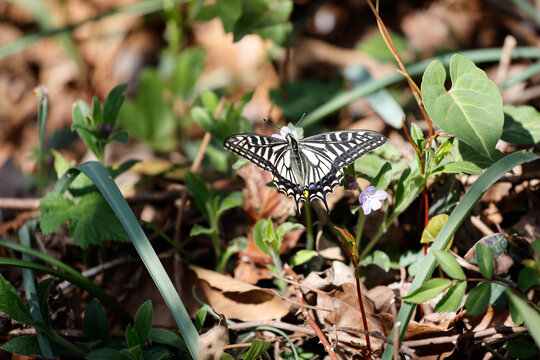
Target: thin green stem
x,y
360,228
309,236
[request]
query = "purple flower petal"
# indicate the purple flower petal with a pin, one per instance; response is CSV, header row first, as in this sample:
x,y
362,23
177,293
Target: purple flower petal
x,y
366,207
376,204
380,195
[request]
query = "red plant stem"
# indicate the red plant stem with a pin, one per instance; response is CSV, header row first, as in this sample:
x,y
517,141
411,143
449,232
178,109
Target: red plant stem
x,y
362,311
308,317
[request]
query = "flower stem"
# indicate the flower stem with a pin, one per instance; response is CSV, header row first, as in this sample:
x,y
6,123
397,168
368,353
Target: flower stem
x,y
360,228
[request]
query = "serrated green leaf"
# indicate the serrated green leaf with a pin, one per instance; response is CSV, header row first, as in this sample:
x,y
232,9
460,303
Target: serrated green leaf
x,y
143,321
428,290
449,265
478,299
451,301
257,348
302,257
55,211
95,323
485,260
92,221
521,125
530,315
472,108
378,258
433,228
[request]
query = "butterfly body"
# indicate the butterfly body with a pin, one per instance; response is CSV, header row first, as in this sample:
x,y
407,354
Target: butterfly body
x,y
309,168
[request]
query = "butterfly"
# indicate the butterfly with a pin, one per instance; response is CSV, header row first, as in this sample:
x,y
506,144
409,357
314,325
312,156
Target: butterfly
x,y
309,168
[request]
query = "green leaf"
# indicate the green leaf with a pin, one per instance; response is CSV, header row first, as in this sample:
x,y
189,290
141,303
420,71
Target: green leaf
x,y
531,316
43,290
382,180
449,265
26,345
521,125
97,115
201,317
122,137
270,237
113,103
451,301
12,304
95,323
375,46
92,221
521,348
79,115
478,299
143,321
516,315
378,258
231,200
167,338
259,232
107,354
55,211
229,11
188,68
417,135
443,150
302,257
200,192
472,108
496,242
370,164
200,230
433,228
285,228
456,167
485,260
132,338
528,278
255,351
427,291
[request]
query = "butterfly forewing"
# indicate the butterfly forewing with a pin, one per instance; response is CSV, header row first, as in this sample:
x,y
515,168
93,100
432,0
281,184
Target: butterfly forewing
x,y
316,168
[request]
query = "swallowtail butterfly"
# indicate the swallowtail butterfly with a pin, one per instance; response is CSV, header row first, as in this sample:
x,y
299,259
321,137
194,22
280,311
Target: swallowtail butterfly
x,y
309,168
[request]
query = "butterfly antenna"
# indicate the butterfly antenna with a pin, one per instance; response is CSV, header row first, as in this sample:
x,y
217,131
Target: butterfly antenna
x,y
299,121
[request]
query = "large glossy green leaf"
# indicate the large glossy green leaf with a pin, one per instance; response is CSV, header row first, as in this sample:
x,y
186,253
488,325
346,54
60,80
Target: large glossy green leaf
x,y
472,108
478,299
449,264
452,299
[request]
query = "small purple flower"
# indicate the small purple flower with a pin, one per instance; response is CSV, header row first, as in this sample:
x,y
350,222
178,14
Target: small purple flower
x,y
351,177
371,199
284,131
352,185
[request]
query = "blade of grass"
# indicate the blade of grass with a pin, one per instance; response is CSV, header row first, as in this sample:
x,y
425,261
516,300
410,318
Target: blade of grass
x,y
30,290
462,210
103,181
478,56
68,274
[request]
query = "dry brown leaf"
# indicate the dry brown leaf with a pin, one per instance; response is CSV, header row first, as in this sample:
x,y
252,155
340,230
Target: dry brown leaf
x,y
236,299
212,342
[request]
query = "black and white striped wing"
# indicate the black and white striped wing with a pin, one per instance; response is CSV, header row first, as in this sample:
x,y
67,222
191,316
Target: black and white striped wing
x,y
262,151
327,154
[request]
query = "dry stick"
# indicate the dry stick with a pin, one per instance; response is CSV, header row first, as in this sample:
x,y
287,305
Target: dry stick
x,y
308,317
19,204
505,60
388,40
